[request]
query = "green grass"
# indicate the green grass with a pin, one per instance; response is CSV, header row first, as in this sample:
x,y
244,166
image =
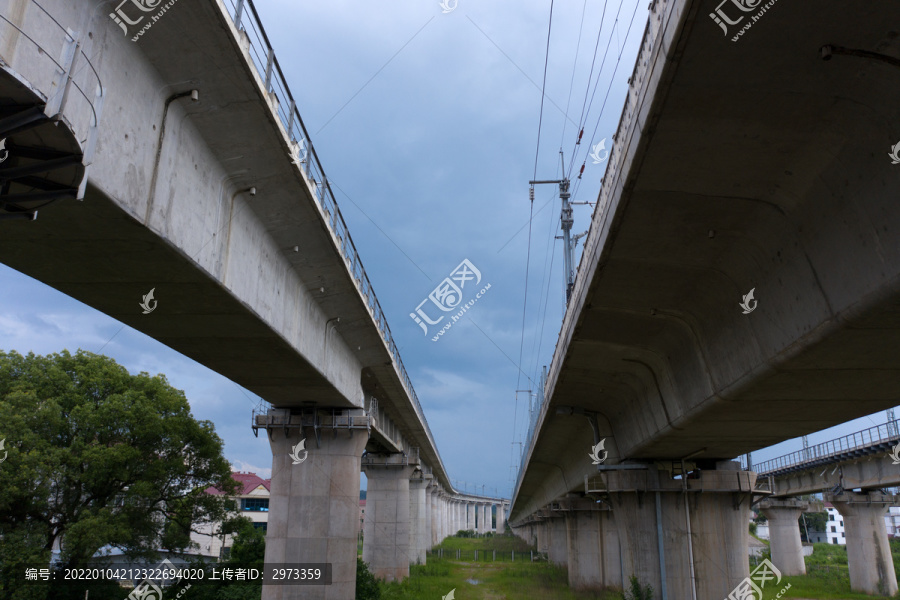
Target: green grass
x,y
496,580
827,576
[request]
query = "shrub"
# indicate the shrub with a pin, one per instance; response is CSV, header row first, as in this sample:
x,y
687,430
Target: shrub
x,y
637,591
366,585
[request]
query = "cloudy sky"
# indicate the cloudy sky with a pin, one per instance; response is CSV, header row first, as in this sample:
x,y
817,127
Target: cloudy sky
x,y
427,125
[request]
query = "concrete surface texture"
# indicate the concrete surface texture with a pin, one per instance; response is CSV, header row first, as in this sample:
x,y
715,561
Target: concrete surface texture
x,y
710,191
690,219
868,551
784,534
314,513
386,538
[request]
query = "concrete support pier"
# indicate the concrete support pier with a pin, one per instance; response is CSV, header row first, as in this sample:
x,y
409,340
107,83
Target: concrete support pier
x,y
470,518
699,522
387,524
435,514
558,551
587,538
868,552
314,505
483,526
445,516
784,534
501,518
418,518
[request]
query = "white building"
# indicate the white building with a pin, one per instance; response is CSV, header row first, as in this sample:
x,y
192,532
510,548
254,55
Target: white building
x,y
834,528
252,502
892,521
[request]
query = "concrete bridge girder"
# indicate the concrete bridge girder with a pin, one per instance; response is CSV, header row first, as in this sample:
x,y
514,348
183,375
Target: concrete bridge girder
x,y
681,240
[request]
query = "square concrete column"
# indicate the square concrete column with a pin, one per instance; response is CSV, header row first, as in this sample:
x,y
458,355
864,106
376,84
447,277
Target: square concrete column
x,y
868,551
445,515
558,551
386,539
470,518
485,527
501,518
314,509
784,534
592,549
428,516
703,529
460,516
455,527
418,531
453,518
435,506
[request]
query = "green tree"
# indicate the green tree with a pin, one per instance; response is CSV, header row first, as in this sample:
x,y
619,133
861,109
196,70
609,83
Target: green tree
x,y
817,521
366,584
99,457
248,549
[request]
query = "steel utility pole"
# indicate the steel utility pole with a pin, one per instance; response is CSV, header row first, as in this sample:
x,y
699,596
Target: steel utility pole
x,y
566,221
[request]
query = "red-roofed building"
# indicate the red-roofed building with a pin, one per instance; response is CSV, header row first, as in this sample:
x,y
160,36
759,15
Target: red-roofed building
x,y
252,502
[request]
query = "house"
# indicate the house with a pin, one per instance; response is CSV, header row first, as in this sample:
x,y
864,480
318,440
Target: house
x,y
834,528
252,502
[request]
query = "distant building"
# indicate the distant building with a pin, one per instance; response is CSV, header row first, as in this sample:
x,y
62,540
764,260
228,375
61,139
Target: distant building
x,y
252,502
834,528
892,521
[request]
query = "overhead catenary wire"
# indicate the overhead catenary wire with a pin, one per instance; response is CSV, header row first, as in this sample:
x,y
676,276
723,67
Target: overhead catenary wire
x,y
586,108
537,154
608,88
587,89
574,68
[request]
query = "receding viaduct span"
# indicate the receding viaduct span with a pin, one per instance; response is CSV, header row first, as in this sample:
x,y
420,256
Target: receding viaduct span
x,y
755,160
198,180
862,461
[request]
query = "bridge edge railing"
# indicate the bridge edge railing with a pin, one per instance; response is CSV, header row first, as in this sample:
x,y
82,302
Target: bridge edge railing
x,y
270,72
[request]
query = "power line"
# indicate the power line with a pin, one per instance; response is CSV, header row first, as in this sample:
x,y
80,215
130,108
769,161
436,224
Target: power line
x,y
585,112
611,79
537,153
590,77
574,68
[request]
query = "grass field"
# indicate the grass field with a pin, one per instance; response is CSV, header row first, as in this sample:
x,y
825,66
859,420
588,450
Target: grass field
x,y
827,575
486,579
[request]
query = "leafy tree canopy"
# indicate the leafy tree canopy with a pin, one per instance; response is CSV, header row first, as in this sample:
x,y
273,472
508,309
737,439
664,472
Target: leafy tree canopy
x,y
99,457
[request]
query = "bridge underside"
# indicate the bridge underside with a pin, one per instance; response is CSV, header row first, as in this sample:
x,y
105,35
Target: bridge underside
x,y
755,164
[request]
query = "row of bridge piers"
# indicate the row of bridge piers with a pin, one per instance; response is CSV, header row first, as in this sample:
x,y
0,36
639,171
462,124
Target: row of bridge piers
x,y
869,558
689,537
314,505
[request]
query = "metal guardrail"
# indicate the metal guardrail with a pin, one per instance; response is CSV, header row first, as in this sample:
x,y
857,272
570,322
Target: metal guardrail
x,y
245,18
70,72
880,434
